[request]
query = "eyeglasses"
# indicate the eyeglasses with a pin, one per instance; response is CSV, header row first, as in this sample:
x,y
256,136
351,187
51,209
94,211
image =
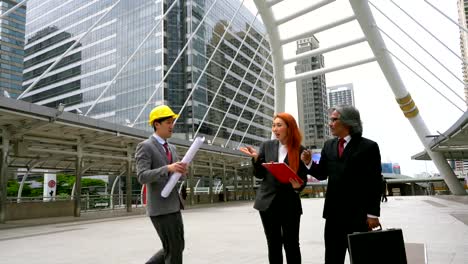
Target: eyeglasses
x,y
333,119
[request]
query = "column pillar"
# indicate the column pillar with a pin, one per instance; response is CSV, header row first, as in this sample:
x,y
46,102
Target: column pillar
x,y
3,174
210,189
128,179
225,194
235,184
78,172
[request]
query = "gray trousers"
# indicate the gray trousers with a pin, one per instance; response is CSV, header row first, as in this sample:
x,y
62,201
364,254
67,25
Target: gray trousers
x,y
170,229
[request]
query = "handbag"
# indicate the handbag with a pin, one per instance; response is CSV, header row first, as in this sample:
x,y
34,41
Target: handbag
x,y
378,246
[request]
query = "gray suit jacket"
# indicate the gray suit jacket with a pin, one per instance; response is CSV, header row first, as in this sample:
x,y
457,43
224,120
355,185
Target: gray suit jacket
x,y
151,166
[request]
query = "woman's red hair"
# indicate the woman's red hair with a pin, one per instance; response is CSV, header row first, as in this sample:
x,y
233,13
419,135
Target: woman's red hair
x,y
293,140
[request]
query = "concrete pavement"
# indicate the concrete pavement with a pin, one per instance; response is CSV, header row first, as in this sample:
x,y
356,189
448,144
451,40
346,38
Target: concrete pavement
x,y
229,234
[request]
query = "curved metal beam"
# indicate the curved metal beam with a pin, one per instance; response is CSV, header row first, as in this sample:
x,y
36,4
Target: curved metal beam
x,y
314,31
20,189
111,202
29,169
318,51
368,25
322,71
277,53
303,11
273,2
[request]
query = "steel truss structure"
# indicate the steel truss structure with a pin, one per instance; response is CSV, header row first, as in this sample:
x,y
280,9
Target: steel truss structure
x,y
52,144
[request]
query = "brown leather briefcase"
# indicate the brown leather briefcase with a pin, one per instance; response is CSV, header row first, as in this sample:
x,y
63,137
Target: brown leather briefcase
x,y
381,246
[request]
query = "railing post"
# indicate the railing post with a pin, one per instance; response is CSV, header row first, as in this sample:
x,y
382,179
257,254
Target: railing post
x,y
128,177
190,184
210,189
78,171
252,181
235,184
243,186
225,194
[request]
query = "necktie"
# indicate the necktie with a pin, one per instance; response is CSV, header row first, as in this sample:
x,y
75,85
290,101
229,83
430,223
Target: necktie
x,y
341,146
168,153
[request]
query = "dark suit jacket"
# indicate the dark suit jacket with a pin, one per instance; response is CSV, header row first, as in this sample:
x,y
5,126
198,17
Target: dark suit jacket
x,y
270,186
353,180
151,166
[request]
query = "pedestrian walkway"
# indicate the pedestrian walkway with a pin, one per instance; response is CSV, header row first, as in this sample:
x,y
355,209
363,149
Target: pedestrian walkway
x,y
229,234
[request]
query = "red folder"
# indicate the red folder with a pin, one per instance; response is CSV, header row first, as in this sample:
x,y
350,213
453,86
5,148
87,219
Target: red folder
x,y
282,172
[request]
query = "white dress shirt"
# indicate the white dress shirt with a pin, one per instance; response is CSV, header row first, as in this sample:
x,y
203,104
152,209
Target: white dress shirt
x,y
282,152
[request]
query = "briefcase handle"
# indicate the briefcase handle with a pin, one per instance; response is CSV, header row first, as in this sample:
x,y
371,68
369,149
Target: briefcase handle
x,y
380,228
377,229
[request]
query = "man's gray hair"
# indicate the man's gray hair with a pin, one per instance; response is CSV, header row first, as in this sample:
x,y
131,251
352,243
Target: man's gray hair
x,y
349,116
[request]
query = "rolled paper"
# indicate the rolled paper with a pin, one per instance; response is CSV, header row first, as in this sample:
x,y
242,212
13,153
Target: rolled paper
x,y
187,159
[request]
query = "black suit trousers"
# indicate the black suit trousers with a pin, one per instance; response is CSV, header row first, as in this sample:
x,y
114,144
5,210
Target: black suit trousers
x,y
336,237
281,228
170,229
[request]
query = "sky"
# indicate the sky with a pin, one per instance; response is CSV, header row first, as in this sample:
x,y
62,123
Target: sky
x,y
382,118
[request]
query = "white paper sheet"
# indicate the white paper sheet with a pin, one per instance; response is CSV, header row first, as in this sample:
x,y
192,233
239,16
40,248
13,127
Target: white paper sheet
x,y
187,159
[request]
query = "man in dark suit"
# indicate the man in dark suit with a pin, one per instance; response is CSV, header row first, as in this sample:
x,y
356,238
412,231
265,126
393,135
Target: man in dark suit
x,y
156,161
352,165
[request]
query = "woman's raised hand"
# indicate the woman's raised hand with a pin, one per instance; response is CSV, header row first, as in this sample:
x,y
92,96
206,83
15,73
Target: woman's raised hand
x,y
306,156
248,150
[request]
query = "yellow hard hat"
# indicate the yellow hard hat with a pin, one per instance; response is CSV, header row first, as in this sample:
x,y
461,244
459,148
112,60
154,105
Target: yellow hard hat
x,y
160,112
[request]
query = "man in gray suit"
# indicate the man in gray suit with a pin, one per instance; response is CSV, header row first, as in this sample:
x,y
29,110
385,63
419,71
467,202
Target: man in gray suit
x,y
156,161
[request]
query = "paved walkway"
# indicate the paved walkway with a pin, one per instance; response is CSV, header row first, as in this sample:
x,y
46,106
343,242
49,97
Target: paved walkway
x,y
229,234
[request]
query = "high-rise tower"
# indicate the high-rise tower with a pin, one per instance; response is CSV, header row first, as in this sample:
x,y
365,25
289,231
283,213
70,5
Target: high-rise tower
x,y
312,97
12,28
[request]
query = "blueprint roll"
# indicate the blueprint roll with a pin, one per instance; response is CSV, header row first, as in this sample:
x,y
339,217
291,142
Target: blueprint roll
x,y
187,159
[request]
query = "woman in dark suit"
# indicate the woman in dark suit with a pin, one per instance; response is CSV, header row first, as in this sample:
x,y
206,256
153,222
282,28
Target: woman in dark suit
x,y
280,204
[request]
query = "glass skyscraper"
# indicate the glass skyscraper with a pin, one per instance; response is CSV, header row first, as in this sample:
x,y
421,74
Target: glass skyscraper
x,y
87,72
12,28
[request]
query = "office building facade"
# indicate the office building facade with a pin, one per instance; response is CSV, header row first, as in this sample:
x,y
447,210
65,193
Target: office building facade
x,y
460,167
341,95
12,28
312,97
391,168
90,71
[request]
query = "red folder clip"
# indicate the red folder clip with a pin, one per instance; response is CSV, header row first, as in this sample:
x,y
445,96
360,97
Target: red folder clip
x,y
282,172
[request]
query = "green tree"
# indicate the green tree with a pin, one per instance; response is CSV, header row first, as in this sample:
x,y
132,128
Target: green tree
x,y
65,183
89,185
64,186
13,187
